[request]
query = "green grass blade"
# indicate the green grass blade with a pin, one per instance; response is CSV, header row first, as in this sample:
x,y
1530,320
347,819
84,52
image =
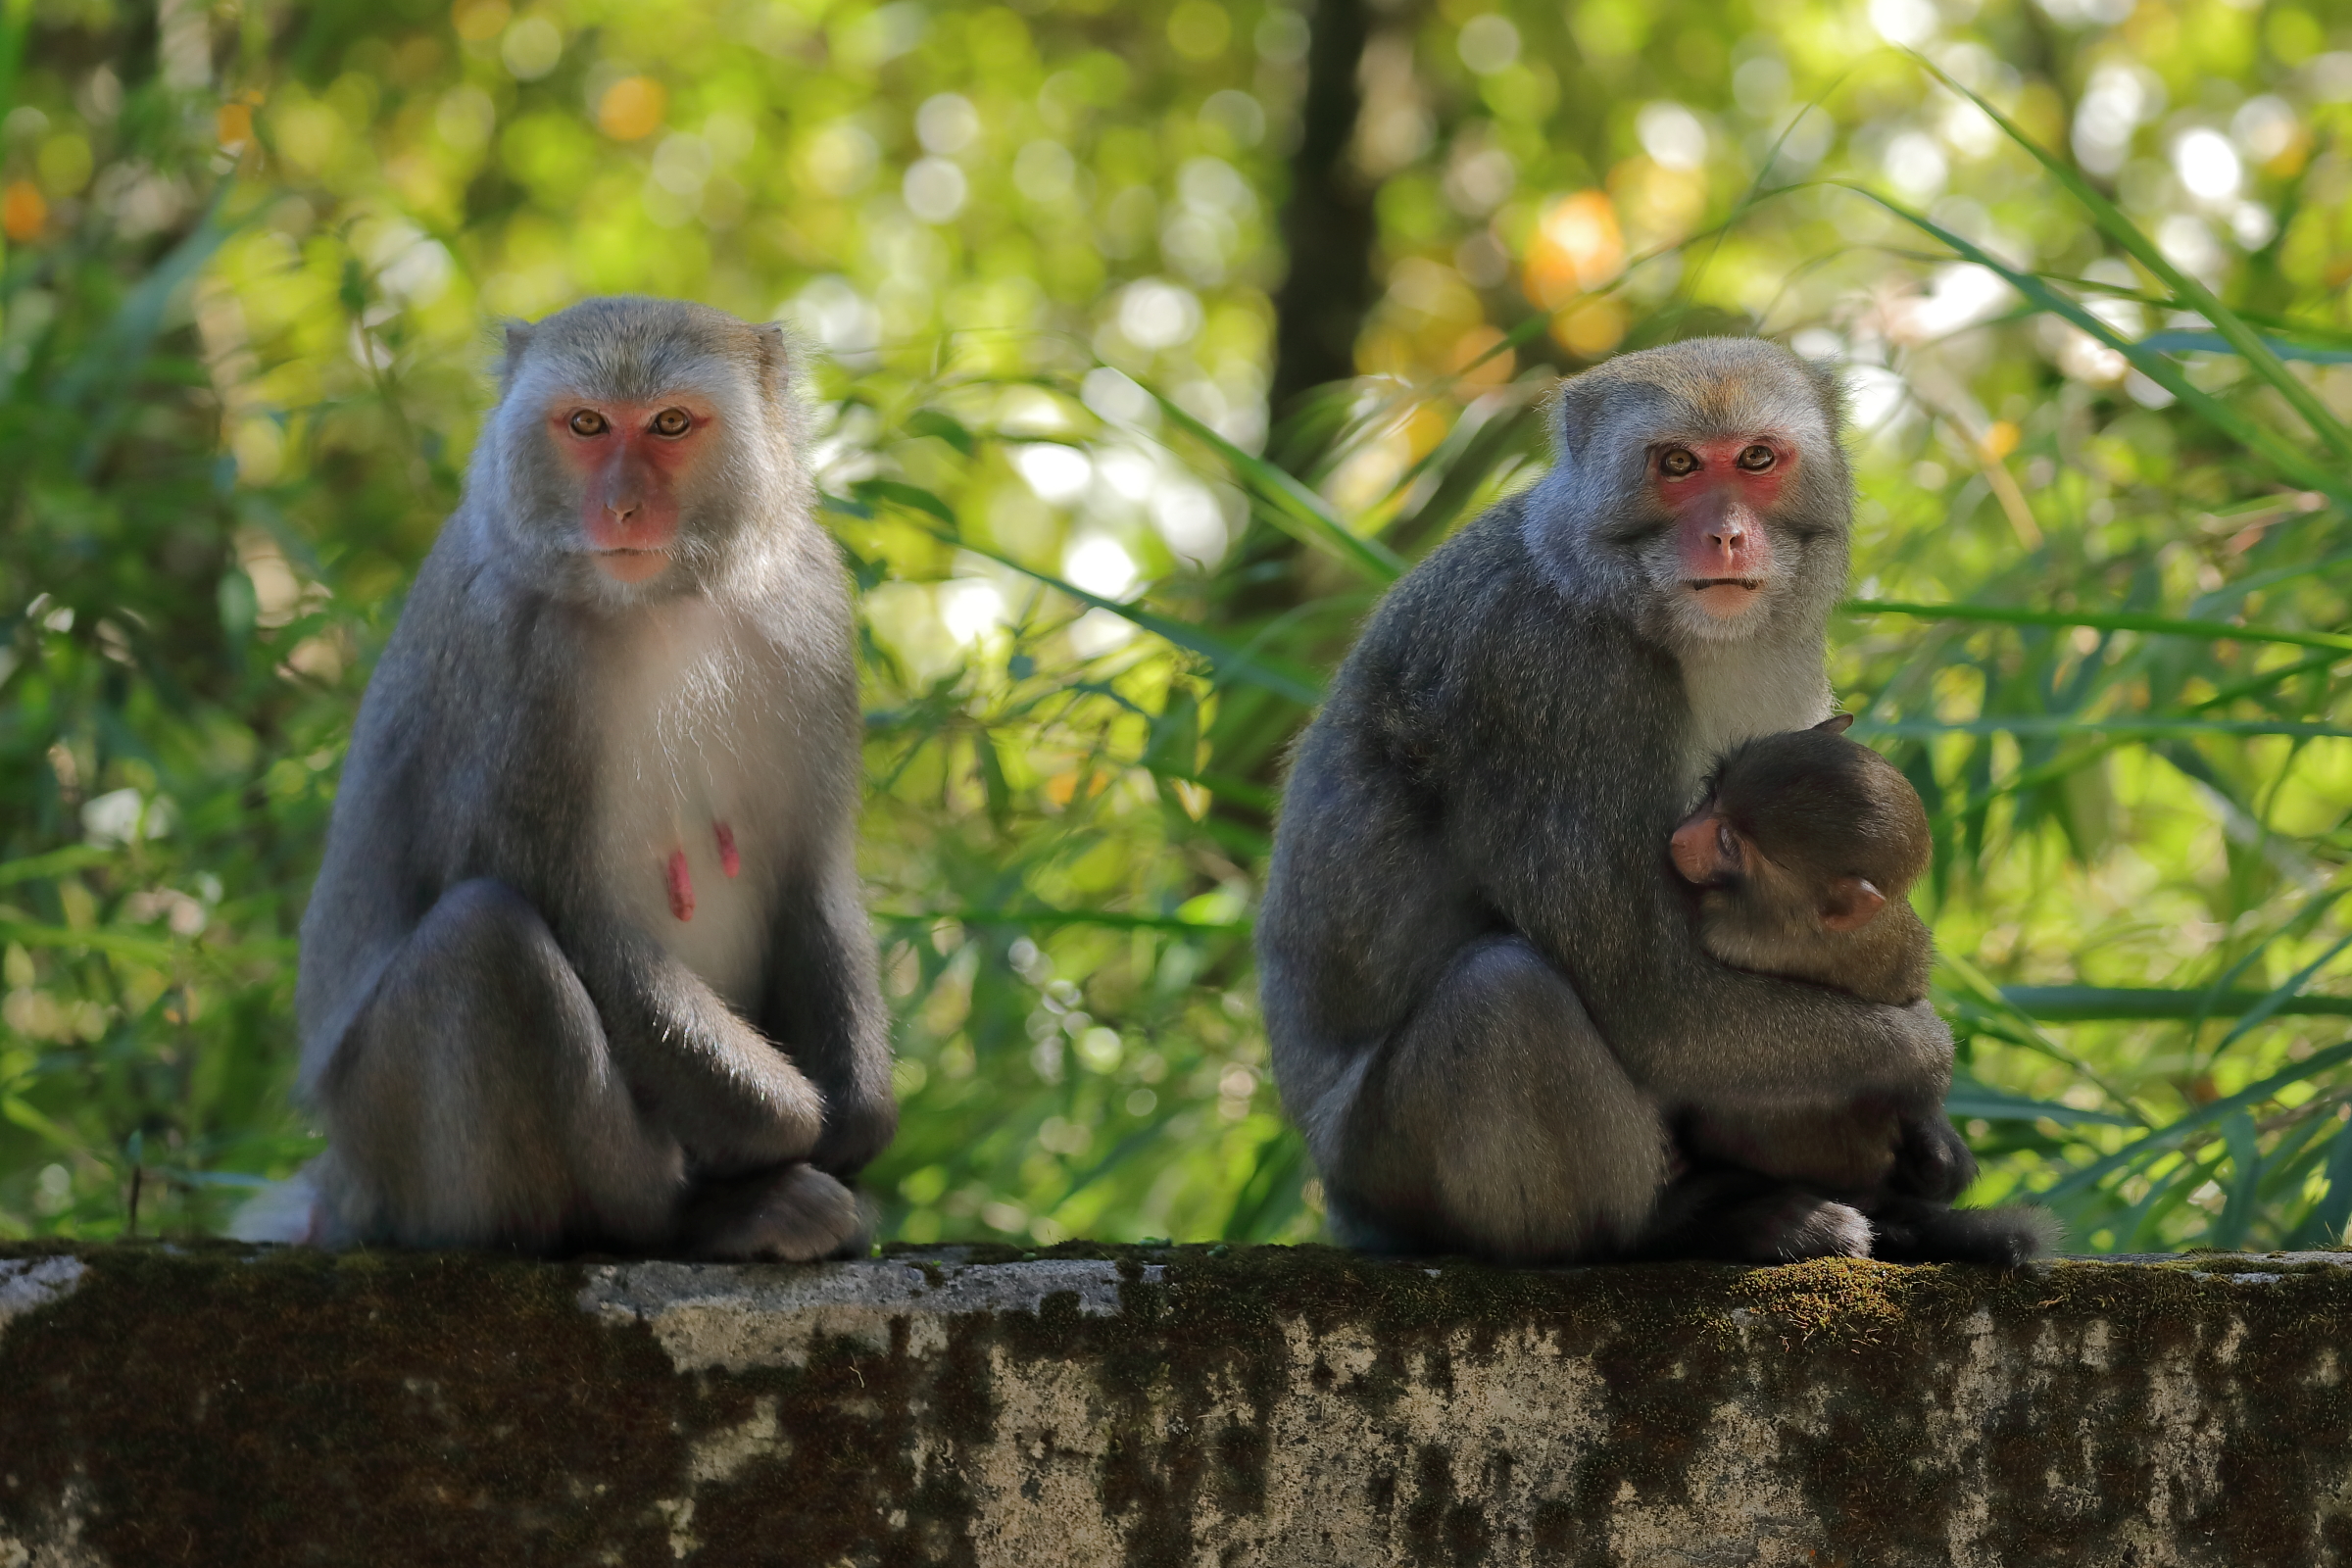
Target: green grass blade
x,y
2188,290
2111,1003
1978,992
2215,343
1291,506
72,857
2101,620
2279,1000
2245,1181
2054,724
2283,456
1262,670
2175,1133
2334,1211
160,954
1059,917
1969,1098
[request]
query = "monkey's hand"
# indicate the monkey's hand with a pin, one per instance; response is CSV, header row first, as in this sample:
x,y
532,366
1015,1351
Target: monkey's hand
x,y
794,1215
734,1102
1932,1161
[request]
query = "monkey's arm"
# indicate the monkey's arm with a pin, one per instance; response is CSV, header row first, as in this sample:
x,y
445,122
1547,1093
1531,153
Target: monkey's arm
x,y
732,1099
1579,866
825,1008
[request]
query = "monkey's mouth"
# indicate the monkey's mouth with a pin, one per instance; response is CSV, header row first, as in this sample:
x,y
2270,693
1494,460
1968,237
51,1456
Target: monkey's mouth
x,y
631,566
1702,584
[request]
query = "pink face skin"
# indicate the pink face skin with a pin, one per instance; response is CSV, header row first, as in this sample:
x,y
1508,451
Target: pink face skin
x,y
630,459
1720,493
1707,851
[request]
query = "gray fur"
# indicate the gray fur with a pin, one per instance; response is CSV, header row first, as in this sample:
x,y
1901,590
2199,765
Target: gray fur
x,y
1486,1001
507,1043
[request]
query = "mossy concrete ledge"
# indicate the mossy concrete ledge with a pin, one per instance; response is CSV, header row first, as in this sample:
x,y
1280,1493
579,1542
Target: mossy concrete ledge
x,y
1083,1405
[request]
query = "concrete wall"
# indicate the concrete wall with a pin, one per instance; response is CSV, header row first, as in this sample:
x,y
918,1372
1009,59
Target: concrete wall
x,y
1092,1406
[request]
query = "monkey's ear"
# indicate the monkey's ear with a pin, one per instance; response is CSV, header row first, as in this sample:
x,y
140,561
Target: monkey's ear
x,y
514,337
1850,904
775,356
1836,723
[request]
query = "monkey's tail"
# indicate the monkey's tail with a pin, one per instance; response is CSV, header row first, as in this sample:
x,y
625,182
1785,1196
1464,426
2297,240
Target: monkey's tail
x,y
1915,1230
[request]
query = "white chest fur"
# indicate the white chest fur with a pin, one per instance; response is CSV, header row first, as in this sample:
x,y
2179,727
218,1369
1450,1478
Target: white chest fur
x,y
699,782
1738,691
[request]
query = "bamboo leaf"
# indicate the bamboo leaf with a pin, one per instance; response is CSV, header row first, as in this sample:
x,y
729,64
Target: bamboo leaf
x,y
1112,919
1266,672
1969,1098
2285,997
73,858
2055,724
2165,626
2335,1209
2186,289
2215,343
912,496
2092,1004
2173,1134
1291,507
2284,456
2245,1181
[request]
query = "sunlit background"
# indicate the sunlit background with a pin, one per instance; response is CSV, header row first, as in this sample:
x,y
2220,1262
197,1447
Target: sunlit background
x,y
1155,339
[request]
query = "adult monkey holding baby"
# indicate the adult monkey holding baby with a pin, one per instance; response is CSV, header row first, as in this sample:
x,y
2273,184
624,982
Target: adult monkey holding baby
x,y
586,962
1487,1005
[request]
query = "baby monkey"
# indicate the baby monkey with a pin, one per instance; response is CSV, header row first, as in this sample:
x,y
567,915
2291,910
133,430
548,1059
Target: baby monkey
x,y
1805,851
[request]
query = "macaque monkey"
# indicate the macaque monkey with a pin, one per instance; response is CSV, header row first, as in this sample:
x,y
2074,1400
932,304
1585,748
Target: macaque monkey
x,y
1487,1004
586,965
1804,852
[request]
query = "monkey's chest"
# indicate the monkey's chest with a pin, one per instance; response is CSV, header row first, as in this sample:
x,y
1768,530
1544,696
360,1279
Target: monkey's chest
x,y
698,790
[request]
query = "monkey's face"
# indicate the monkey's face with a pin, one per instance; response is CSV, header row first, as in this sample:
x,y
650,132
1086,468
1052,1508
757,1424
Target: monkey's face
x,y
1742,881
1719,493
630,461
643,449
1701,486
1708,851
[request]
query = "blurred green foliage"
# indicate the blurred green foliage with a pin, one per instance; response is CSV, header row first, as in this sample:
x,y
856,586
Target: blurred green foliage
x,y
251,249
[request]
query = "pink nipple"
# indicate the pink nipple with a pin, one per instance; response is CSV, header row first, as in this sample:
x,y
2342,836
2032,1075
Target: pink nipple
x,y
681,886
728,860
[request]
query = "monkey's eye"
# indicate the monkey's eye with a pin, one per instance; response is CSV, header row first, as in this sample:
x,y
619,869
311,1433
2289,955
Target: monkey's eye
x,y
1728,843
1678,462
672,422
587,422
1756,459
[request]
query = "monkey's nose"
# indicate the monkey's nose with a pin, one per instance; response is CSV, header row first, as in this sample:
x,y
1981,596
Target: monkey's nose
x,y
623,510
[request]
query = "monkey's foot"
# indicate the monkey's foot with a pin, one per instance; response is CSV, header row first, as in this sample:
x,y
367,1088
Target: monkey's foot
x,y
1739,1216
1817,1229
796,1215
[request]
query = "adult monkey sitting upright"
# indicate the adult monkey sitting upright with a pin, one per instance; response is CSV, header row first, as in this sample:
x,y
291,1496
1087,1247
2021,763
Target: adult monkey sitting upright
x,y
586,963
1487,1005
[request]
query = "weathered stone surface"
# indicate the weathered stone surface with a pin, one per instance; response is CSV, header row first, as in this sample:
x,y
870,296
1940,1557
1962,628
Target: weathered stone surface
x,y
217,1404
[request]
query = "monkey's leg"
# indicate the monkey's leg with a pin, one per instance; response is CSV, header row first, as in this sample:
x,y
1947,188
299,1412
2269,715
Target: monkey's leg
x,y
1495,1121
1742,1217
474,1102
794,1215
1913,1230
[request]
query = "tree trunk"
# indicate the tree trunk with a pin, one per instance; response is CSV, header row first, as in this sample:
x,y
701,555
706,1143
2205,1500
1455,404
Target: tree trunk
x,y
1328,226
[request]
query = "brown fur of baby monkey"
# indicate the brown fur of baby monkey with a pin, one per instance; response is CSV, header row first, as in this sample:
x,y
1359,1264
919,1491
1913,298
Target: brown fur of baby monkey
x,y
586,965
1805,851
